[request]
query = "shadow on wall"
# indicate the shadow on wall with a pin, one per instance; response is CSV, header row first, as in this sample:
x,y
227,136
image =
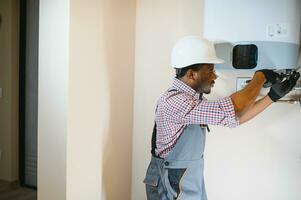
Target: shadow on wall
x,y
119,37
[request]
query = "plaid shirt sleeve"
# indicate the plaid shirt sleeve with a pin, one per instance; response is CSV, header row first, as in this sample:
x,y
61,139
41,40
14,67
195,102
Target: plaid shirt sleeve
x,y
189,111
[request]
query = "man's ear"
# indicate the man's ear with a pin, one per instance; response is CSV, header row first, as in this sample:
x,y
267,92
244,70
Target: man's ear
x,y
191,74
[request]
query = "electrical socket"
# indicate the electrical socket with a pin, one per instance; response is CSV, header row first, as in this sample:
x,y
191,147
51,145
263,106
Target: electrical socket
x,y
241,82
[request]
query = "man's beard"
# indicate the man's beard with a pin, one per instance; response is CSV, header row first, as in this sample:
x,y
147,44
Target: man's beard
x,y
207,90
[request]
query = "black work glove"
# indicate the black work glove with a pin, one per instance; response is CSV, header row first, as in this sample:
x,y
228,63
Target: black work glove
x,y
280,89
270,76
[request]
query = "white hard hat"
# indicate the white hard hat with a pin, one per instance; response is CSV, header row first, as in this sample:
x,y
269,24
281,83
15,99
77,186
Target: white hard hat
x,y
192,50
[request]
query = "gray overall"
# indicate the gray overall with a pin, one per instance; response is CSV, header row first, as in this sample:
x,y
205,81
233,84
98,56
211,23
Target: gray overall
x,y
180,175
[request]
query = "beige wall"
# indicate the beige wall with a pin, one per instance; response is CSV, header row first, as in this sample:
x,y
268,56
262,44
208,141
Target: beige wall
x,y
9,64
258,160
85,99
100,99
158,25
119,37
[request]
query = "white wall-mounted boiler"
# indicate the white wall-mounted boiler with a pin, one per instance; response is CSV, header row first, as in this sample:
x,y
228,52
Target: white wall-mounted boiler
x,y
254,34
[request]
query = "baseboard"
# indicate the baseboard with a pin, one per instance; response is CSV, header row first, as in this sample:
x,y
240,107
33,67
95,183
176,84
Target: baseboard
x,y
10,184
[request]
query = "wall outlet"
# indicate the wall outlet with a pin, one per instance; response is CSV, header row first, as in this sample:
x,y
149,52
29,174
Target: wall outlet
x,y
241,82
277,30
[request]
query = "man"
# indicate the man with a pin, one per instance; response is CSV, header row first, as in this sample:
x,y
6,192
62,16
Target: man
x,y
183,116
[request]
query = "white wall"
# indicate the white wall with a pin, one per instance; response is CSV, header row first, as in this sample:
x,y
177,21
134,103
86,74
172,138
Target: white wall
x,y
9,82
258,160
53,98
85,99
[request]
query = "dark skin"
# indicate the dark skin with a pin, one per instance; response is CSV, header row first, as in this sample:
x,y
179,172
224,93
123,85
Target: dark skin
x,y
202,79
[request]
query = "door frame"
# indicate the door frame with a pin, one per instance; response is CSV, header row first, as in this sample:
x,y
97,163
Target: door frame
x,y
22,92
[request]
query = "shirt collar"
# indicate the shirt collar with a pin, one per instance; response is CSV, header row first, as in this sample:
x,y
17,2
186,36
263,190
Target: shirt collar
x,y
183,87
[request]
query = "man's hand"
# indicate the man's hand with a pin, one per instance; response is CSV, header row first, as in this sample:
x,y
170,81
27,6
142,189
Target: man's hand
x,y
280,89
270,76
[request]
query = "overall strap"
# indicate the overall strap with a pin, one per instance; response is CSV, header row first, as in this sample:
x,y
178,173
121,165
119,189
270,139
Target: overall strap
x,y
204,125
154,139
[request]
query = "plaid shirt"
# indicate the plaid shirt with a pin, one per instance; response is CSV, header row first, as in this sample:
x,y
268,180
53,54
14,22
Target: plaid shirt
x,y
180,106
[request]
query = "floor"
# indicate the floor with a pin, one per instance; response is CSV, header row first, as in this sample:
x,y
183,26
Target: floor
x,y
15,192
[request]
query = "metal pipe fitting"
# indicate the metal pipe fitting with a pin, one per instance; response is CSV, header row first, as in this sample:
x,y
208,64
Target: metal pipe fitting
x,y
291,101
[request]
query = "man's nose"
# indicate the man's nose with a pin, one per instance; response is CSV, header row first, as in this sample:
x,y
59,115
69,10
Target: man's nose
x,y
215,76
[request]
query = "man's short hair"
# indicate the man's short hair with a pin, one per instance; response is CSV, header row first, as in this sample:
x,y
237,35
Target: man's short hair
x,y
183,71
